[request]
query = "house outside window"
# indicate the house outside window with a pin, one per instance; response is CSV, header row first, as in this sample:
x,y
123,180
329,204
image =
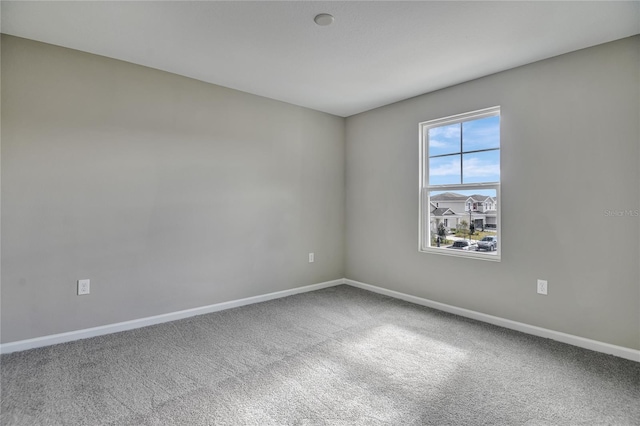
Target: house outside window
x,y
460,185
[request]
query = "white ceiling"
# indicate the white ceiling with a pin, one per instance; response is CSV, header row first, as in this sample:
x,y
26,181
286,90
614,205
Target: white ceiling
x,y
374,54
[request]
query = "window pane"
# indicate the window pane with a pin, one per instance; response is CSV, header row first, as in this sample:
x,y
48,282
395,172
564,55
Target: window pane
x,y
481,134
481,167
444,170
444,139
453,227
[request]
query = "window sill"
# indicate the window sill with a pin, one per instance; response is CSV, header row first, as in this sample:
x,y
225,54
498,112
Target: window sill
x,y
462,253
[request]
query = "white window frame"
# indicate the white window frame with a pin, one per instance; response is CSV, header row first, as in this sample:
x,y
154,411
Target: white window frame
x,y
424,227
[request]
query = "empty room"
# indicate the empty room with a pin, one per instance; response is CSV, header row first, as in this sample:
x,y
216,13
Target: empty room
x,y
320,213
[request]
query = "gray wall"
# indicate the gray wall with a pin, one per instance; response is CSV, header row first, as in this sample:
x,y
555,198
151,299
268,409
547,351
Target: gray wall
x,y
570,149
168,193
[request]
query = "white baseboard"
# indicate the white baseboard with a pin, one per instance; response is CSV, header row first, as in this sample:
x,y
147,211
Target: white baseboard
x,y
157,319
594,345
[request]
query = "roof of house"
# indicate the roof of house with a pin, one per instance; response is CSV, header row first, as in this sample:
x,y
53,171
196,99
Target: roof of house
x,y
442,211
448,196
479,197
453,196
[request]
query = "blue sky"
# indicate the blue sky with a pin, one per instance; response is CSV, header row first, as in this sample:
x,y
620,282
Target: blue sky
x,y
478,167
488,192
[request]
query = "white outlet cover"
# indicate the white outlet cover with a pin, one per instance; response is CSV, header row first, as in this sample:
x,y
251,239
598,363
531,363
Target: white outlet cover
x,y
311,257
542,287
84,287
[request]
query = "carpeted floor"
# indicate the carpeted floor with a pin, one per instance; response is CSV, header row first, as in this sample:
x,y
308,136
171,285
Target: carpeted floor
x,y
337,356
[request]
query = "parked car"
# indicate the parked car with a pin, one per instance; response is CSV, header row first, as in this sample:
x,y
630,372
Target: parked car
x,y
487,243
462,245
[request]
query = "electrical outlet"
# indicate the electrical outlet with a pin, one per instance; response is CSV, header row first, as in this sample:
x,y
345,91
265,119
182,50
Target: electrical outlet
x,y
84,287
542,287
312,258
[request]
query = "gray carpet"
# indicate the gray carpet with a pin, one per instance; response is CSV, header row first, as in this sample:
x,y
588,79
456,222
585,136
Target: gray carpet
x,y
338,356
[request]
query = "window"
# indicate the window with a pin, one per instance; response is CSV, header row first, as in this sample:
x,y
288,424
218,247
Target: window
x,y
460,175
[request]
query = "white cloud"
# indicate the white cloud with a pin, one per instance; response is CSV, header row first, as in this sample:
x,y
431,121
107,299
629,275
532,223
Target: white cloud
x,y
474,167
435,143
450,131
452,168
